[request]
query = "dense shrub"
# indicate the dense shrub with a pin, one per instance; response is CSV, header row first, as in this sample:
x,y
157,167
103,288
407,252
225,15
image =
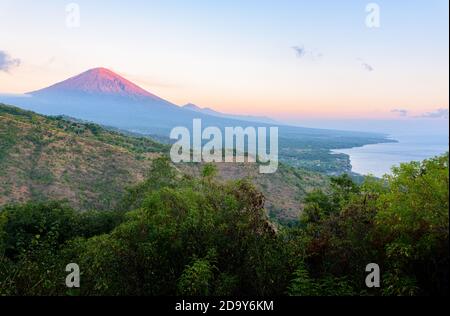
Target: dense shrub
x,y
181,235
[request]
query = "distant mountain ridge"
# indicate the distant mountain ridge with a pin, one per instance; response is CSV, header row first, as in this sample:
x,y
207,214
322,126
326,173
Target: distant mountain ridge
x,y
250,118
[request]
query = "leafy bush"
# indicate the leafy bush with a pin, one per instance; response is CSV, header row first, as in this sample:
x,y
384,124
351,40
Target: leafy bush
x,y
197,236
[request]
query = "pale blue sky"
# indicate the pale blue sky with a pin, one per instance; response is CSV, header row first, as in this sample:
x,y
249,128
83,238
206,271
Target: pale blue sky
x,y
237,56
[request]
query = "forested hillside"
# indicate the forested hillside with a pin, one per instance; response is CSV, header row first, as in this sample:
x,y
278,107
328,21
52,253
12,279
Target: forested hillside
x,y
45,158
58,158
176,234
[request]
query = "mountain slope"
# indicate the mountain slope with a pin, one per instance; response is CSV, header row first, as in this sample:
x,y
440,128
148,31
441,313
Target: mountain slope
x,y
42,158
98,81
55,158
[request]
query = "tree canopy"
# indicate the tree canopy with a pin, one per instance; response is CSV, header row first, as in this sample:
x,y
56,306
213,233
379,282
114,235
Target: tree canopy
x,y
180,235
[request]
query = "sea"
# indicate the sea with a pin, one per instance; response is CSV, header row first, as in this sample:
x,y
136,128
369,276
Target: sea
x,y
416,140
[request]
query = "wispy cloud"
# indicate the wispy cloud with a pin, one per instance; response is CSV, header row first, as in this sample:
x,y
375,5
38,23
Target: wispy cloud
x,y
400,112
436,114
7,62
365,66
302,52
439,113
51,60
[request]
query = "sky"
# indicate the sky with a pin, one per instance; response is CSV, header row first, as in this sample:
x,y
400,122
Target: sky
x,y
288,59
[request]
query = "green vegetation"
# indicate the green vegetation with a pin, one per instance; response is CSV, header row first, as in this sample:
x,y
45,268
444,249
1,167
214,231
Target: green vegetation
x,y
195,235
43,158
285,191
400,223
86,129
137,225
60,158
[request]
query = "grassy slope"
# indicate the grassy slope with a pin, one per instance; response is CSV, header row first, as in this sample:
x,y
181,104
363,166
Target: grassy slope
x,y
56,158
43,158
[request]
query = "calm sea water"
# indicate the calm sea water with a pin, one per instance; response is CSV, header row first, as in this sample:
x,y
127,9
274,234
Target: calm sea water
x,y
378,159
416,142
418,139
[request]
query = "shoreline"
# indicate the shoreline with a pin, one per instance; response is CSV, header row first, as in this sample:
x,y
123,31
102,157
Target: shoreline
x,y
379,159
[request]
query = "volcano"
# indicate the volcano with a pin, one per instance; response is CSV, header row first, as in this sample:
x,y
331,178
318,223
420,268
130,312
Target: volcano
x,y
98,81
101,96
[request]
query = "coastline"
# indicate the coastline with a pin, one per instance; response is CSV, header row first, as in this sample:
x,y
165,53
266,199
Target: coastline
x,y
378,159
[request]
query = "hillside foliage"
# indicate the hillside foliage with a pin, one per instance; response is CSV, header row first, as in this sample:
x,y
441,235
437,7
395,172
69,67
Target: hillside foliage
x,y
194,235
90,166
